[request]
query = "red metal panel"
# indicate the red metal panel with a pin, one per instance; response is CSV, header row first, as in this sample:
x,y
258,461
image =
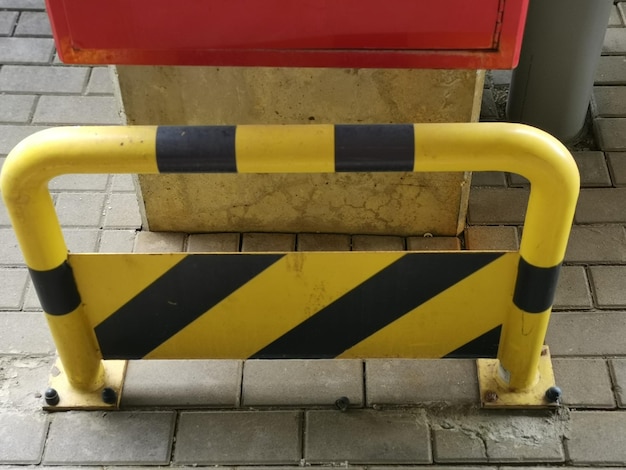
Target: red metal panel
x,y
333,33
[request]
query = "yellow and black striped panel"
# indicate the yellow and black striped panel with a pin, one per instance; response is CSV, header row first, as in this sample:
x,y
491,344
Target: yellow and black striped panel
x,y
288,149
297,305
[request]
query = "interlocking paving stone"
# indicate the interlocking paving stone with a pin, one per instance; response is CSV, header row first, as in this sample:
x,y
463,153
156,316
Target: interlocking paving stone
x,y
404,382
433,244
618,371
24,333
10,253
611,71
79,182
377,243
614,41
489,178
213,242
617,165
268,242
596,244
53,109
609,101
593,169
22,437
323,242
100,82
23,4
31,301
119,438
80,209
13,282
501,77
488,109
182,383
491,238
159,242
81,241
117,241
238,437
609,283
122,211
11,135
33,24
615,19
587,334
121,183
597,437
572,290
367,437
585,382
7,21
476,436
26,50
16,108
497,206
24,380
302,382
601,205
611,133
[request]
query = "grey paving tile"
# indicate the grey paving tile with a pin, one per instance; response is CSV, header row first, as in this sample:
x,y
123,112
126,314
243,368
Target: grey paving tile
x,y
611,133
408,382
585,382
10,253
302,382
614,41
80,209
587,334
122,211
609,284
223,438
159,242
55,110
617,165
268,242
33,24
117,241
478,436
22,437
324,242
26,50
611,71
7,22
572,291
433,244
213,242
80,240
492,238
622,11
597,437
11,135
601,205
31,301
79,182
618,372
497,206
122,183
593,169
596,244
377,243
100,82
24,380
367,437
23,4
489,178
16,108
182,383
13,282
609,101
120,438
24,333
615,19
501,77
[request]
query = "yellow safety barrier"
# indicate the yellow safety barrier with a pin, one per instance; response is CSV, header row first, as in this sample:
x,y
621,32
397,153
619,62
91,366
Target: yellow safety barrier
x,y
103,309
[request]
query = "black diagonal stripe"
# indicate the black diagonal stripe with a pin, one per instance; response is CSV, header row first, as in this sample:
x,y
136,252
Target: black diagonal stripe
x,y
382,299
389,147
196,149
174,300
485,346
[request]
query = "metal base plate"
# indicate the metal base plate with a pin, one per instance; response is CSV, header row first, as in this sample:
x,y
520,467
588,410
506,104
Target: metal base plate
x,y
494,395
73,399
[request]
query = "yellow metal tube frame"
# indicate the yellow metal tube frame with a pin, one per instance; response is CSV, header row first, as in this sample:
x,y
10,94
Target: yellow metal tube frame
x,y
520,149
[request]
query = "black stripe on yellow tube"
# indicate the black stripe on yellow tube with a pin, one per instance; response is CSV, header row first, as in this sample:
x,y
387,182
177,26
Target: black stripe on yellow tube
x,y
535,287
56,289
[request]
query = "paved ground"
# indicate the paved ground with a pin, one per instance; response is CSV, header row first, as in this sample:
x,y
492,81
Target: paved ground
x,y
292,402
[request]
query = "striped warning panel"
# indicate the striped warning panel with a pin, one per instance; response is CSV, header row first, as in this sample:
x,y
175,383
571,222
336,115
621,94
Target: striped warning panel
x,y
296,305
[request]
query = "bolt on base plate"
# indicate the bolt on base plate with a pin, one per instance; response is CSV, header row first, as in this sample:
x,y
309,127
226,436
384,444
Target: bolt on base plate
x,y
493,395
70,398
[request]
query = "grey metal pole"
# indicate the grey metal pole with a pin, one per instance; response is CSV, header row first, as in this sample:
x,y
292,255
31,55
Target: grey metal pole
x,y
552,85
